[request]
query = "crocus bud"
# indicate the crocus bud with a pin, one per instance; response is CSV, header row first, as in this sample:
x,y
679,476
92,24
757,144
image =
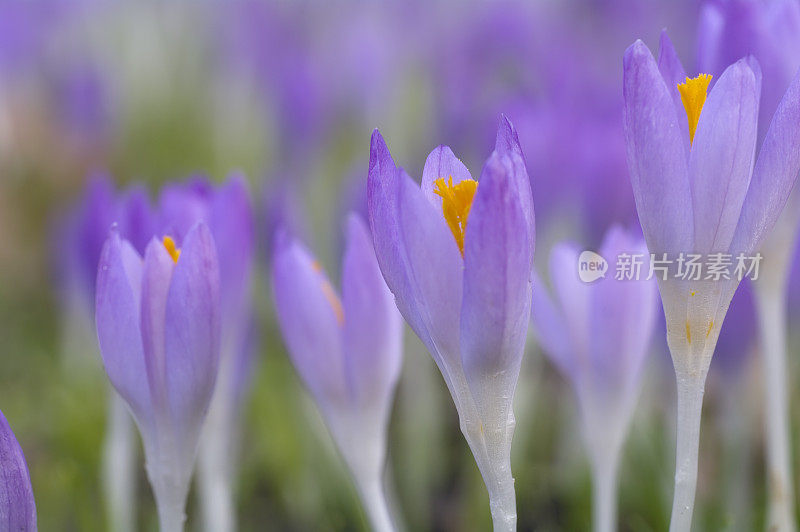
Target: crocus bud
x,y
158,323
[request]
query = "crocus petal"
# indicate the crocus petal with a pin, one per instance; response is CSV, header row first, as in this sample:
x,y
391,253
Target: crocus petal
x,y
182,205
497,271
230,219
671,68
774,175
137,222
373,327
308,320
721,159
156,277
507,142
551,327
622,317
119,282
571,293
17,506
192,327
418,255
441,163
657,155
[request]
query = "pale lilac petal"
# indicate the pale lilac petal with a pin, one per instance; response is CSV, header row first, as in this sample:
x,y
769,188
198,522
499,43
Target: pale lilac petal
x,y
551,327
442,163
119,283
571,293
17,506
774,175
230,219
721,159
657,155
156,277
308,320
671,68
497,272
373,327
622,318
192,328
417,253
507,142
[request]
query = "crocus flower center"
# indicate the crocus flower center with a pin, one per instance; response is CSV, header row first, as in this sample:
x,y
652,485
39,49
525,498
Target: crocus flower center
x,y
456,203
173,251
330,295
693,95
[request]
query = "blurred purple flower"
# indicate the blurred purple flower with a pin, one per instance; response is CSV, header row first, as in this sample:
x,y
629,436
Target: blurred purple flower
x,y
598,335
17,506
84,105
80,234
283,210
347,351
769,30
465,292
158,325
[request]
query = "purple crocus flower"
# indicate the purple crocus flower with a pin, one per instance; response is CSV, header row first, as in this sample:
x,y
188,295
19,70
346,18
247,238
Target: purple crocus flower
x,y
17,506
464,288
598,335
770,30
347,350
227,211
158,325
698,191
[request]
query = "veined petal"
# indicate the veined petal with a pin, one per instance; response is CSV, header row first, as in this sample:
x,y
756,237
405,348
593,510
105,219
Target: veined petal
x,y
721,160
417,253
495,312
441,163
657,155
17,506
156,277
309,320
671,68
192,327
774,175
117,312
373,328
507,142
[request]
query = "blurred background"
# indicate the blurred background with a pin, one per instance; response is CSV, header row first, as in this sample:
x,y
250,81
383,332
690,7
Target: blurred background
x,y
288,93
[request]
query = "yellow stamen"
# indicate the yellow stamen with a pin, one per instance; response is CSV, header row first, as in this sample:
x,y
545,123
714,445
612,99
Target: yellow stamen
x,y
173,251
688,333
693,95
710,326
456,203
330,295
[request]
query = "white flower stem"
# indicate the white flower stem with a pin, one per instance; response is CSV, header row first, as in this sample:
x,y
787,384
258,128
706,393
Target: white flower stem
x,y
604,494
170,502
373,498
690,406
492,451
119,456
216,465
772,323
